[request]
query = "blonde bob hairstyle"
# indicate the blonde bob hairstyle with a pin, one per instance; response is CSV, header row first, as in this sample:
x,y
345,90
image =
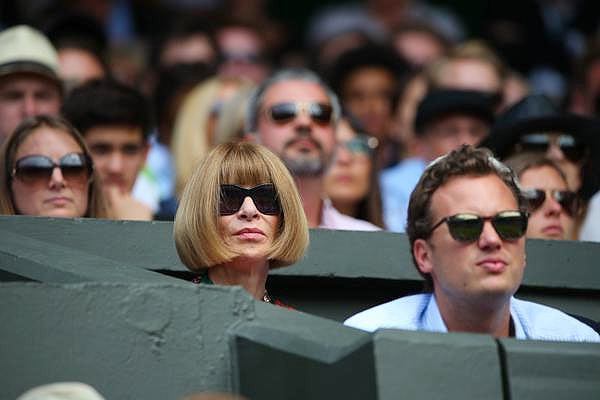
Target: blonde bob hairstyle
x,y
196,230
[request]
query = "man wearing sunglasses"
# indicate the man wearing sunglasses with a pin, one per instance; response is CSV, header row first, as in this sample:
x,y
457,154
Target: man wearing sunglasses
x,y
294,114
466,227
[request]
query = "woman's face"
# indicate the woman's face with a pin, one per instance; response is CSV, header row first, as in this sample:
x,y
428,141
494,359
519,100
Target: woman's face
x,y
348,179
248,231
550,220
56,195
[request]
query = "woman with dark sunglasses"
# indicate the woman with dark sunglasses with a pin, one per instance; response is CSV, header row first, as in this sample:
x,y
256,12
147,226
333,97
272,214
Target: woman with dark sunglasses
x,y
46,170
240,215
553,207
352,182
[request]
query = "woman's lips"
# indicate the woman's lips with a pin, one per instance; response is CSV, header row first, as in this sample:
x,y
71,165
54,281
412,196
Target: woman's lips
x,y
250,234
553,230
59,200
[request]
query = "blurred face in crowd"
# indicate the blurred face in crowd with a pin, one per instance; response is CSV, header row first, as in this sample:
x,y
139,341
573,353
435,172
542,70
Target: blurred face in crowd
x,y
566,150
418,47
486,271
243,54
471,74
449,132
550,220
119,153
348,180
25,95
59,192
403,125
367,93
78,66
191,49
296,123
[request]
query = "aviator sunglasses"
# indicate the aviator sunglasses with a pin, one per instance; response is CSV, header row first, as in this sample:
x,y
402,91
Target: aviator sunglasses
x,y
567,199
466,228
282,113
264,197
74,167
573,149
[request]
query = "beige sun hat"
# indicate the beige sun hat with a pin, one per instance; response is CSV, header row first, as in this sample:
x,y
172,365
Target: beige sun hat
x,y
24,49
62,391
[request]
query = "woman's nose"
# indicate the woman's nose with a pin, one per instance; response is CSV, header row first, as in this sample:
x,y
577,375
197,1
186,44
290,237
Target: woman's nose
x,y
248,209
57,180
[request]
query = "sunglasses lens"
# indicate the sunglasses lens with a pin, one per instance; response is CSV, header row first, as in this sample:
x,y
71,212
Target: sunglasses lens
x,y
75,168
534,197
283,112
231,199
33,169
321,113
568,201
510,225
265,199
465,227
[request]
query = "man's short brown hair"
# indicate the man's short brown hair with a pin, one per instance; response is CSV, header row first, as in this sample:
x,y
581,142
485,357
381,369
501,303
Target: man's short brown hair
x,y
465,161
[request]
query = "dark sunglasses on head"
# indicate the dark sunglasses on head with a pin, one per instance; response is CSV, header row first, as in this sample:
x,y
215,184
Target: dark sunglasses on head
x,y
264,197
282,113
567,199
361,144
573,149
466,228
74,167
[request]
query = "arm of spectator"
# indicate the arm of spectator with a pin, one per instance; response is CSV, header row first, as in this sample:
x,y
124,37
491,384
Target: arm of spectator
x,y
125,206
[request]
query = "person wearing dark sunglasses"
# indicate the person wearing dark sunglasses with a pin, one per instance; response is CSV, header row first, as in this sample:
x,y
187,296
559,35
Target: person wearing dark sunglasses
x,y
352,181
46,170
553,207
294,114
240,215
466,226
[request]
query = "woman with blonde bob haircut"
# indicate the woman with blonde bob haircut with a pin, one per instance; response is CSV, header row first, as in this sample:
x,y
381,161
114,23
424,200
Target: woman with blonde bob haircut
x,y
240,214
46,170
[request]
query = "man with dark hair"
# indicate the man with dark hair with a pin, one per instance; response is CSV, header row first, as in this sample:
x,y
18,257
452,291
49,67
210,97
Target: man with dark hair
x,y
29,82
114,121
445,119
294,114
466,227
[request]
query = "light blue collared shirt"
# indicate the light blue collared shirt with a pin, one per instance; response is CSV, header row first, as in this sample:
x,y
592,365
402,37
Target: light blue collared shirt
x,y
421,312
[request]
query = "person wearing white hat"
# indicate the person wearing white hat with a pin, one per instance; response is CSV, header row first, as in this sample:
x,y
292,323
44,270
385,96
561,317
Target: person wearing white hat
x,y
29,82
62,391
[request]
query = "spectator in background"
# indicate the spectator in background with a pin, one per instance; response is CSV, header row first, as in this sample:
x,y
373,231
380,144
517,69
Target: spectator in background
x,y
114,121
244,52
445,120
174,84
368,79
29,82
585,91
46,170
294,114
193,132
81,44
535,124
470,66
352,181
187,41
466,228
552,206
419,44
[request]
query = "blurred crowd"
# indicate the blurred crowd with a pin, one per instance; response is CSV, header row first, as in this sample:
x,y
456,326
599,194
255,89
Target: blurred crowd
x,y
126,97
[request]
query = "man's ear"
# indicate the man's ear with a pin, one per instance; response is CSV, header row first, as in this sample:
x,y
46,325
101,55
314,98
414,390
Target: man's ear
x,y
422,253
